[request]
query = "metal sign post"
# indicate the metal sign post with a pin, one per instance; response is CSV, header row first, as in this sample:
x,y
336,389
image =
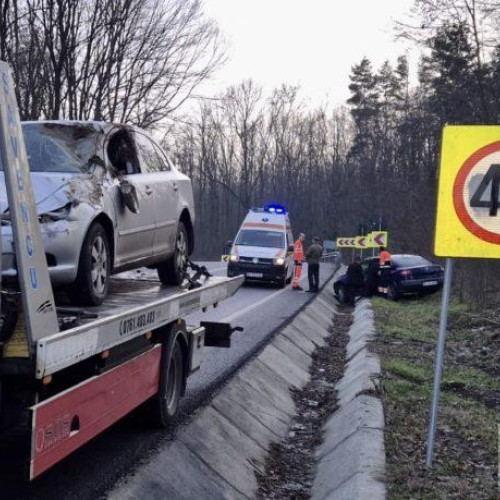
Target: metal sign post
x,y
438,368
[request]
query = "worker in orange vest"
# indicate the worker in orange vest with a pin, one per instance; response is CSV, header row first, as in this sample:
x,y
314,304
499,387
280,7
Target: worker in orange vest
x,y
298,257
384,269
384,257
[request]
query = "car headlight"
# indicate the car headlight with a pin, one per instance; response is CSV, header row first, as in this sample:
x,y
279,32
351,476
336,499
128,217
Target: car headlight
x,y
279,261
234,258
55,215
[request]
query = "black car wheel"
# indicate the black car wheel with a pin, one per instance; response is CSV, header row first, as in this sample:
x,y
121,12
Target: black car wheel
x,y
342,294
94,268
392,292
172,271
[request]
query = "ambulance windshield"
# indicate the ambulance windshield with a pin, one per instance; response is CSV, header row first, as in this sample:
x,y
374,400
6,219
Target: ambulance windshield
x,y
255,238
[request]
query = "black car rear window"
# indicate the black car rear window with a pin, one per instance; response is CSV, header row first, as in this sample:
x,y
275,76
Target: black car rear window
x,y
410,261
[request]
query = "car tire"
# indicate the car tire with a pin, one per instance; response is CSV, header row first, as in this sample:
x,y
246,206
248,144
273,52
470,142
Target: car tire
x,y
94,268
172,271
163,407
283,282
392,292
342,295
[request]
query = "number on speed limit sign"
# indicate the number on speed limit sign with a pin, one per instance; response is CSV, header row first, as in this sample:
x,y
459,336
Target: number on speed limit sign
x,y
468,213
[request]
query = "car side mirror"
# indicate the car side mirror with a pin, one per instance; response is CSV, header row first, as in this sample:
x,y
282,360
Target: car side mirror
x,y
129,196
290,248
227,247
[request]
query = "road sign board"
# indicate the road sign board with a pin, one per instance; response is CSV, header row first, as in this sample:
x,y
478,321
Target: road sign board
x,y
346,242
468,212
361,242
379,239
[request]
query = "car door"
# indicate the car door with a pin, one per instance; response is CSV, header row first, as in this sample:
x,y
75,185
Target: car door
x,y
134,230
161,178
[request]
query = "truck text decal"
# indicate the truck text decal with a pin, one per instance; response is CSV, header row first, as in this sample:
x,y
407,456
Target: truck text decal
x,y
135,323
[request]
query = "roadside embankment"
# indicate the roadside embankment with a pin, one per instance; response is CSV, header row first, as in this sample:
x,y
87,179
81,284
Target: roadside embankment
x,y
465,461
220,453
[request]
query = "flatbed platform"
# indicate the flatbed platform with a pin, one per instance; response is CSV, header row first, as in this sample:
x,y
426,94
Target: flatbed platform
x,y
133,308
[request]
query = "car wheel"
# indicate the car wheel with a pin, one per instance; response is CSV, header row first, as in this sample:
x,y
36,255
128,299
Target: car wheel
x,y
92,282
341,292
172,271
282,282
392,292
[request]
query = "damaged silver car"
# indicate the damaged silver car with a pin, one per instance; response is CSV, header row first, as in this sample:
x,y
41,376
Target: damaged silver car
x,y
108,200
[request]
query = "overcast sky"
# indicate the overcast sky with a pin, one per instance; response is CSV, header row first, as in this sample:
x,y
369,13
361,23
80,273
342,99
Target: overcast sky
x,y
313,43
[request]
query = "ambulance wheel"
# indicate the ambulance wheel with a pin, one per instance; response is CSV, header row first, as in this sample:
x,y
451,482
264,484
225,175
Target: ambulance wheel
x,y
289,278
165,404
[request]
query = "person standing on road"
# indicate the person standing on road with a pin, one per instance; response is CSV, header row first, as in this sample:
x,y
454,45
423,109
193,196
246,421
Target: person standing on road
x,y
355,280
313,256
298,257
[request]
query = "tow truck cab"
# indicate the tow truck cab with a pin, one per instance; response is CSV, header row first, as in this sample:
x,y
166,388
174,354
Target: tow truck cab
x,y
263,248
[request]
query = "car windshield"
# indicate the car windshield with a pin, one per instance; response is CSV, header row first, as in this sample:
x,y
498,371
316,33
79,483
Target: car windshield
x,y
410,261
271,239
53,147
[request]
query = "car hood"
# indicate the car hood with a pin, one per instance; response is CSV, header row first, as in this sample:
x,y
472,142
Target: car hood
x,y
53,190
259,252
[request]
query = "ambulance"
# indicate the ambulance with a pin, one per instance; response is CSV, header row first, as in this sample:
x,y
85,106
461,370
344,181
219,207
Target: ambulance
x,y
263,248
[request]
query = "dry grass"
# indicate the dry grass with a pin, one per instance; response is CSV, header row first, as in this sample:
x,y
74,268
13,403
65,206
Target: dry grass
x,y
465,464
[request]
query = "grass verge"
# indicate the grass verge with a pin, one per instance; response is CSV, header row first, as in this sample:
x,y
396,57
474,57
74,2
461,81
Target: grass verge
x,y
465,464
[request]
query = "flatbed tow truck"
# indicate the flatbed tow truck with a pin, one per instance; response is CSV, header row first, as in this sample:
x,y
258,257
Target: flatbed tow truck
x,y
67,373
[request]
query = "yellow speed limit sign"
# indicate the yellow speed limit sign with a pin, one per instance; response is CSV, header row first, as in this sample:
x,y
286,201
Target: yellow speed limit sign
x,y
468,211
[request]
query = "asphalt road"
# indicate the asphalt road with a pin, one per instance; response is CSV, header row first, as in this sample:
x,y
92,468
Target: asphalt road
x,y
91,471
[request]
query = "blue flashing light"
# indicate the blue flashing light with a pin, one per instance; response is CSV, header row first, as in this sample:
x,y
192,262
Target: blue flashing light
x,y
275,209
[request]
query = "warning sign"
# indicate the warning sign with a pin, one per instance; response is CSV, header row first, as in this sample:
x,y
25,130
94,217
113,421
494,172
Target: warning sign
x,y
468,212
361,242
347,242
379,239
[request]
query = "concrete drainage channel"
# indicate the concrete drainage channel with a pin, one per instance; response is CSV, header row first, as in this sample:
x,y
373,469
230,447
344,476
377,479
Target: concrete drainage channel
x,y
351,460
221,453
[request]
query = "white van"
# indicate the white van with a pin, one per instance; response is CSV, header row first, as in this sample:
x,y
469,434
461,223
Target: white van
x,y
263,248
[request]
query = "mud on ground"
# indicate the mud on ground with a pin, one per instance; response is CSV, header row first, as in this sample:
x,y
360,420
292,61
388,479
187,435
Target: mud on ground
x,y
291,464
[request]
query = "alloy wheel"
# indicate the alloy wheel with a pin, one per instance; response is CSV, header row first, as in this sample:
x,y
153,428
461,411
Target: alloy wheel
x,y
98,265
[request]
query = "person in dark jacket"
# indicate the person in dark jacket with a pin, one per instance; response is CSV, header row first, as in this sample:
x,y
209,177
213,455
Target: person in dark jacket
x,y
313,256
355,281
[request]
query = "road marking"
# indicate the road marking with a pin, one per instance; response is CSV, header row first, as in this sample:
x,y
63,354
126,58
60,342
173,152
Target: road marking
x,y
251,307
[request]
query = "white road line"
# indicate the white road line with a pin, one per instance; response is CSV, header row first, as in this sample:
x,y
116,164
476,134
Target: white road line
x,y
251,307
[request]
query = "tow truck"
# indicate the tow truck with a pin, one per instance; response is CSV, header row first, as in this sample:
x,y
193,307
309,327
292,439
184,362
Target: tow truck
x,y
67,373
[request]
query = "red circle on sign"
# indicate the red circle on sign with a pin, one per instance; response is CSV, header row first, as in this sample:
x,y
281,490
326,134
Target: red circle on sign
x,y
458,191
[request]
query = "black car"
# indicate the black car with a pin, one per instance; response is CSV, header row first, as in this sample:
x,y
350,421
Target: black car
x,y
407,274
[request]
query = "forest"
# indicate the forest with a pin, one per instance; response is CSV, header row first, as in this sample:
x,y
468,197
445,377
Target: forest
x,y
372,161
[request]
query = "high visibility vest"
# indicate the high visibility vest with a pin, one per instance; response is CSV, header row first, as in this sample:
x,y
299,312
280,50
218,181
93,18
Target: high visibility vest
x,y
298,251
384,258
